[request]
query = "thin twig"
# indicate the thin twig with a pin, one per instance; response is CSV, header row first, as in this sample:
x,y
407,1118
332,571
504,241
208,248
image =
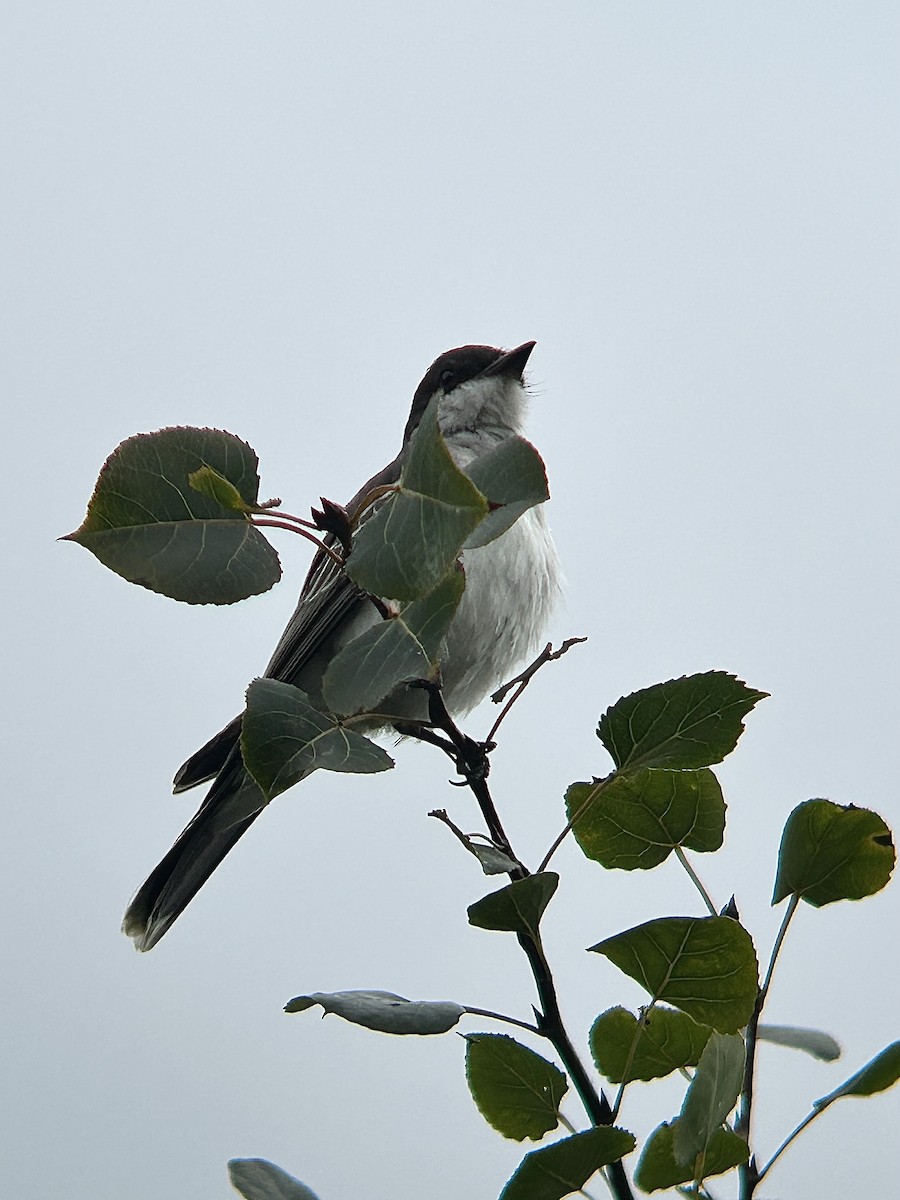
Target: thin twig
x,y
466,839
441,814
493,860
521,682
424,733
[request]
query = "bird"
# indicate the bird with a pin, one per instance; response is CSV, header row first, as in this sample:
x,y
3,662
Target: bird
x,y
511,586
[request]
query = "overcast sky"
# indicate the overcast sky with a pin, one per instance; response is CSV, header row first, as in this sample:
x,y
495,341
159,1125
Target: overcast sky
x,y
270,218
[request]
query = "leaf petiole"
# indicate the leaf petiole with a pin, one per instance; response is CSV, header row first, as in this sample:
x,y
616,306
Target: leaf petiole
x,y
696,880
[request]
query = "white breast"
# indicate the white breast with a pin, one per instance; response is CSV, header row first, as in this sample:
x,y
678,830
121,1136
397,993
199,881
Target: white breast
x,y
511,586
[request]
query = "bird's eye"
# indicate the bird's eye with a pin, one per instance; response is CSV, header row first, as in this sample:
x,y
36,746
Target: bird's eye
x,y
448,380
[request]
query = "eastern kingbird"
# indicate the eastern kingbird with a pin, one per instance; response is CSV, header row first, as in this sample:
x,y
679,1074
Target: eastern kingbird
x,y
511,585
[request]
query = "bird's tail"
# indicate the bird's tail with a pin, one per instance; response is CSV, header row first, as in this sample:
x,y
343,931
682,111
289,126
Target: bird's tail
x,y
233,803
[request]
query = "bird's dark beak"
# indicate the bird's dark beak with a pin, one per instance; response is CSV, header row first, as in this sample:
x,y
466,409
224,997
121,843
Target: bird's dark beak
x,y
512,363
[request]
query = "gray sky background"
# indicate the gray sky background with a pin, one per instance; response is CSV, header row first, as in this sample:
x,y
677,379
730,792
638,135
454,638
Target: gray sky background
x,y
270,218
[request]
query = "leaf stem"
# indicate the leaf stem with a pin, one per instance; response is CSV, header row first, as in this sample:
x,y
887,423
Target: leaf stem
x,y
632,1050
566,1123
310,537
696,880
748,1173
495,1016
779,940
561,837
286,516
787,1141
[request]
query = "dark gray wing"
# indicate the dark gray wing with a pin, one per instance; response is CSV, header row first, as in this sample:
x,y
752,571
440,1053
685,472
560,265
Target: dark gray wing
x,y
234,801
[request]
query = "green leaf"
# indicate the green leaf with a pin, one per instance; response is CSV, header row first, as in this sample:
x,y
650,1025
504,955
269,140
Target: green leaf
x,y
208,482
878,1075
516,1091
394,651
284,738
384,1011
706,966
668,1041
512,476
830,853
414,536
147,523
258,1179
516,908
711,1096
683,724
658,1168
563,1168
634,821
816,1042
